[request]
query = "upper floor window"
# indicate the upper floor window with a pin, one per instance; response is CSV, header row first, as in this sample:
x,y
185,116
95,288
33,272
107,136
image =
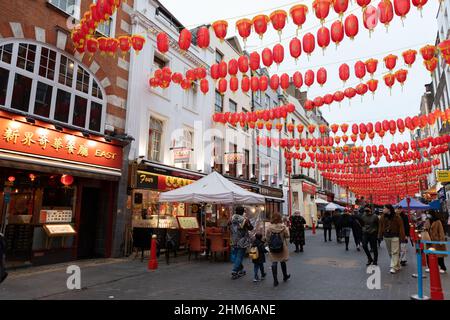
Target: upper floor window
x,y
39,80
68,6
219,56
218,102
233,106
155,134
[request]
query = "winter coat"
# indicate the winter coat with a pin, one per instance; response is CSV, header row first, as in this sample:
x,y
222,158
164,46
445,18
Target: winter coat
x,y
370,223
357,226
297,230
391,227
240,227
437,234
261,251
284,232
327,222
405,223
346,221
336,221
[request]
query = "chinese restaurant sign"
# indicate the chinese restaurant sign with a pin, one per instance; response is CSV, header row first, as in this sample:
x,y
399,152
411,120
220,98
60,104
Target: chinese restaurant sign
x,y
307,188
147,180
34,140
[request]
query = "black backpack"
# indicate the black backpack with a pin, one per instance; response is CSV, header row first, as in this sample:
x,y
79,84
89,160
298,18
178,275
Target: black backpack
x,y
276,242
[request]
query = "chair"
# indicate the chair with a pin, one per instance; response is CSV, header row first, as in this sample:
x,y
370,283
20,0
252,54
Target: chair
x,y
217,245
195,245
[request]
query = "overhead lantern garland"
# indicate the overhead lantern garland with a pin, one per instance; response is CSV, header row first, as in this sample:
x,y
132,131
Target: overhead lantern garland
x,y
298,15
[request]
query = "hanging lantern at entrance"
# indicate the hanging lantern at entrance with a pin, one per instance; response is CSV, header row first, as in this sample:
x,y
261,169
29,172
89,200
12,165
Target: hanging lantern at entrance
x,y
298,15
66,180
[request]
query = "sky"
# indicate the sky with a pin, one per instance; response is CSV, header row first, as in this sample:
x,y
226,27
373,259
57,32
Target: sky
x,y
416,32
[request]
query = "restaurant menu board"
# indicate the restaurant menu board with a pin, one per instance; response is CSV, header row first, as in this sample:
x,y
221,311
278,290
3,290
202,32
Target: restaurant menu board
x,y
188,223
52,216
58,230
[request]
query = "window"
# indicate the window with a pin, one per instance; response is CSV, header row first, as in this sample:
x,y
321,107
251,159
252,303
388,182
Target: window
x,y
158,62
246,124
267,101
105,27
233,106
246,165
155,134
68,6
293,132
258,96
27,78
43,100
219,102
21,93
26,56
187,142
219,56
232,166
218,154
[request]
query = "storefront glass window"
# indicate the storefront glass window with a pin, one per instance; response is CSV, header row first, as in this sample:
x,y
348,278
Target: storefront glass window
x,y
62,106
66,71
21,93
43,100
95,116
82,80
48,61
4,75
79,112
26,56
96,92
6,53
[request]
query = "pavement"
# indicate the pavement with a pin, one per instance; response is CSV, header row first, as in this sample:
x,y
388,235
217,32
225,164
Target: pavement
x,y
322,271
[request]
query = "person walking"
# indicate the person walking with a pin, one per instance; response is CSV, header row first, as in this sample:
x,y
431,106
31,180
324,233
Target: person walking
x,y
277,235
404,244
297,231
436,232
391,229
258,254
240,240
3,273
346,225
357,229
327,222
337,226
369,235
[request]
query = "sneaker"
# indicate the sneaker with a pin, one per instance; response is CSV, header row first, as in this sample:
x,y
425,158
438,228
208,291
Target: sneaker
x,y
442,271
286,278
241,273
369,263
256,280
393,271
234,276
263,276
427,270
375,263
358,249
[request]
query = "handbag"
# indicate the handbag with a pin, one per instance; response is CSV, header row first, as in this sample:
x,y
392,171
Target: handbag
x,y
425,236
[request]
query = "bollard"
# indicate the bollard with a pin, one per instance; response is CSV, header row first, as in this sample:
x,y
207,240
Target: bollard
x,y
313,227
419,276
153,262
435,279
424,257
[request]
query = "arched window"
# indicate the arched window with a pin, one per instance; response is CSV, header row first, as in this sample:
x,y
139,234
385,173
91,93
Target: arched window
x,y
45,82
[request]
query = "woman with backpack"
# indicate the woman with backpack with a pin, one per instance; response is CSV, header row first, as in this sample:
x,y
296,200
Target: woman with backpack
x,y
277,235
297,231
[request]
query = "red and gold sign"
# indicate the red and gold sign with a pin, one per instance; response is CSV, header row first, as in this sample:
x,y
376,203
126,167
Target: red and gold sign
x,y
308,188
39,141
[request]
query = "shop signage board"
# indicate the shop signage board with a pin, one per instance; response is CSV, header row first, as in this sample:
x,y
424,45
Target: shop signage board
x,y
271,193
173,173
188,222
182,155
234,158
52,216
147,180
307,188
46,142
57,230
443,175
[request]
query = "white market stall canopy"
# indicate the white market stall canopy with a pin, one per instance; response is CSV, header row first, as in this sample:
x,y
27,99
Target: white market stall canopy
x,y
320,201
333,206
214,188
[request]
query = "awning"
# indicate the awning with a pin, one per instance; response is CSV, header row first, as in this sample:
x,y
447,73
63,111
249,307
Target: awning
x,y
320,201
274,198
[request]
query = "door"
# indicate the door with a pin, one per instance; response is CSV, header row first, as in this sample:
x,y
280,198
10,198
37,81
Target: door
x,y
89,217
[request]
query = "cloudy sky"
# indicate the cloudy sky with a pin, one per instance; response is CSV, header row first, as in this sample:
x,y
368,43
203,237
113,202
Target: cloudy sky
x,y
416,32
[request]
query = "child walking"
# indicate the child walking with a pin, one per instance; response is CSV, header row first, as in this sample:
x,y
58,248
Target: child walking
x,y
258,256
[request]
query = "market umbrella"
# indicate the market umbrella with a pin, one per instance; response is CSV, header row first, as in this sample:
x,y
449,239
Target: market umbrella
x,y
435,204
320,201
413,205
333,207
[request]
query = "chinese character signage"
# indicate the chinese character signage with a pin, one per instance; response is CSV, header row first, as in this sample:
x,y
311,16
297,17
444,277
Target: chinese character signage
x,y
234,158
34,140
443,175
307,188
181,155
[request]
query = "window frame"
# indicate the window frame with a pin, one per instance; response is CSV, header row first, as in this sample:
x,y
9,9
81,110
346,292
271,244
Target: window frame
x,y
150,139
36,77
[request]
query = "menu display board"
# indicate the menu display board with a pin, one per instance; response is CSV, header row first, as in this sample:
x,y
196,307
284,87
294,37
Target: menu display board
x,y
52,216
58,230
188,223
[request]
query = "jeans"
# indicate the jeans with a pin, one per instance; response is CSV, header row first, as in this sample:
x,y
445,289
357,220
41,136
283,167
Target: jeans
x,y
325,230
403,251
372,239
239,256
256,267
393,247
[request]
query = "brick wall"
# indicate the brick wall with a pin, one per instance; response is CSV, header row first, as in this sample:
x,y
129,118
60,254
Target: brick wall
x,y
40,21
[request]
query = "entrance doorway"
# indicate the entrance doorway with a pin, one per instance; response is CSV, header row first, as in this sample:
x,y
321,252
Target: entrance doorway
x,y
90,213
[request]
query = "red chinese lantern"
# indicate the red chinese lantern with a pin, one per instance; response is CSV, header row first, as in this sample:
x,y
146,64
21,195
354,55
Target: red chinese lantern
x,y
401,126
263,83
269,126
370,18
295,48
233,67
431,64
309,43
309,78
444,48
328,99
137,41
363,3
298,15
112,45
400,75
278,54
321,76
390,61
245,84
321,9
337,32
344,72
255,61
334,128
279,126
360,70
389,80
428,52
340,6
318,102
386,12
350,93
162,42
223,69
243,64
309,105
103,45
186,84
215,74
254,84
371,66
323,38
338,96
419,4
372,85
185,39
300,128
223,86
66,180
409,57
234,84
244,27
203,38
260,23
361,89
267,57
351,26
274,82
284,81
220,29
402,8
204,86
297,79
92,45
311,128
278,19
177,77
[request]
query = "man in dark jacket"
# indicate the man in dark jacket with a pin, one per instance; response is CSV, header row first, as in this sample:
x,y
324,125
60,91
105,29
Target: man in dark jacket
x,y
327,222
337,225
346,223
369,235
3,273
240,240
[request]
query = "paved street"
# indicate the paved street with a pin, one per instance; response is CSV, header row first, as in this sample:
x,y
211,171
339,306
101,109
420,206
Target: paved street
x,y
323,271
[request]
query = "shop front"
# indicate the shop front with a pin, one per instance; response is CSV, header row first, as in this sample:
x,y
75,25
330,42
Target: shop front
x,y
309,191
274,201
59,192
